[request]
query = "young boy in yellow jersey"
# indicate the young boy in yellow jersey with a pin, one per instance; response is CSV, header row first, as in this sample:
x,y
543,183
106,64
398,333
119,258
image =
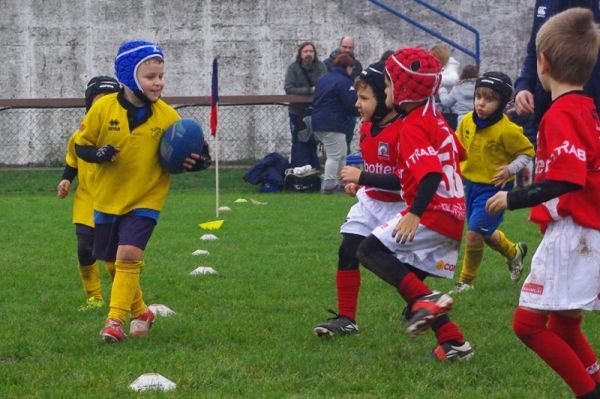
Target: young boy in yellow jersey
x,y
496,150
121,133
82,204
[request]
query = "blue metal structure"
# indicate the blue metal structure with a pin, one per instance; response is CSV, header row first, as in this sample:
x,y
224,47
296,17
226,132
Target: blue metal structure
x,y
474,54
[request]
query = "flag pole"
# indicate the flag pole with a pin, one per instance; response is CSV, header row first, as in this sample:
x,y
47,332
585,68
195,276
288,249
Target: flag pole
x,y
214,108
217,177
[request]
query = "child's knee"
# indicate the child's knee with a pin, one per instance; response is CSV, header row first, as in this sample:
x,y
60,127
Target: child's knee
x,y
474,239
368,246
527,324
347,253
130,253
85,245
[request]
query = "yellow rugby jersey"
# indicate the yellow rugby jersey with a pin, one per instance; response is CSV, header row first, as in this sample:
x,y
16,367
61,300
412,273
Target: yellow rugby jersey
x,y
83,207
490,147
135,179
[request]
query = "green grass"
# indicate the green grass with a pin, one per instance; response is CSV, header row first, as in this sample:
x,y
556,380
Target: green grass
x,y
247,331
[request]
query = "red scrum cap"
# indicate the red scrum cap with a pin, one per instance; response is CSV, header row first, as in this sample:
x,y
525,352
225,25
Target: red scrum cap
x,y
415,73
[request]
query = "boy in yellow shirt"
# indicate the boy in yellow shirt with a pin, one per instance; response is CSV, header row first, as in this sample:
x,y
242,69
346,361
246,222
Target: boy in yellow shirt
x,y
496,150
82,204
121,133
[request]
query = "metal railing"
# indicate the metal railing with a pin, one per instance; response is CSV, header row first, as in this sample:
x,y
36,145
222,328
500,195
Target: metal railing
x,y
34,132
474,54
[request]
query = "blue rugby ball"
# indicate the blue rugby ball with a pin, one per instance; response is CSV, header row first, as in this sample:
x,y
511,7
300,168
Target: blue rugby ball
x,y
178,142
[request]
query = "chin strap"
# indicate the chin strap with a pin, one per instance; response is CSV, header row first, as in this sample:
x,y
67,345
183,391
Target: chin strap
x,y
430,102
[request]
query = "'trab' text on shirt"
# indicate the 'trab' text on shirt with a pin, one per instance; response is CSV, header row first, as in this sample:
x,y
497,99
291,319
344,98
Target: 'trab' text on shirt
x,y
566,148
420,152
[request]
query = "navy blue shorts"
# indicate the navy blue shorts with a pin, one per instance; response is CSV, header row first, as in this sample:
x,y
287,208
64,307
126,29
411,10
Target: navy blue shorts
x,y
478,220
84,230
126,230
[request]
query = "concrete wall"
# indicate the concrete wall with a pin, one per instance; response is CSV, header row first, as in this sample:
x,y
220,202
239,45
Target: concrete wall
x,y
51,48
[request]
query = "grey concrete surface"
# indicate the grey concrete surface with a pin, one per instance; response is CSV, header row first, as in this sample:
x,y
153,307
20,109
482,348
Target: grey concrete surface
x,y
52,47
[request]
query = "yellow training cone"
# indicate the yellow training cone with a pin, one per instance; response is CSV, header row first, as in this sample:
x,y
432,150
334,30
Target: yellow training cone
x,y
214,225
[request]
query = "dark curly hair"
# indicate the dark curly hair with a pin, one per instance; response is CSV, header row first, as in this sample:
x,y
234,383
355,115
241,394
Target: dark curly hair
x,y
301,47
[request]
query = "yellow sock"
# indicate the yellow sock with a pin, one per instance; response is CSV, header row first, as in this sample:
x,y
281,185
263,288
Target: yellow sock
x,y
505,246
124,288
138,307
471,263
110,267
90,277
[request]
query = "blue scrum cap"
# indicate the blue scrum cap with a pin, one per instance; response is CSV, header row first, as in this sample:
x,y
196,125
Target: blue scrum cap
x,y
129,58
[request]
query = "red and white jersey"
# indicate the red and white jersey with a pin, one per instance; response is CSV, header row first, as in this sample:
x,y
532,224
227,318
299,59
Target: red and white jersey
x,y
569,151
430,146
380,155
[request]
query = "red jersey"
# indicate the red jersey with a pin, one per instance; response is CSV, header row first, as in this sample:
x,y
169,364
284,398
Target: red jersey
x,y
430,146
380,155
569,151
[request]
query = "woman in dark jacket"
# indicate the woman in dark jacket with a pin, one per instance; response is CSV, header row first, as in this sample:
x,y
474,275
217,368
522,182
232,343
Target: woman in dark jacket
x,y
333,118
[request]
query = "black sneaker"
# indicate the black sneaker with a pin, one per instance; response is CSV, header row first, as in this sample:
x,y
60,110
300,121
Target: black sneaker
x,y
338,324
447,351
425,310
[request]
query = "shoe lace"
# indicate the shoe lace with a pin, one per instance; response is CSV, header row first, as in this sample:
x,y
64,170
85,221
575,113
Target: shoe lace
x,y
335,314
113,324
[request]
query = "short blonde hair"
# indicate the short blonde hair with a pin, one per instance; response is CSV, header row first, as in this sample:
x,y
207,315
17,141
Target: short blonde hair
x,y
442,53
569,41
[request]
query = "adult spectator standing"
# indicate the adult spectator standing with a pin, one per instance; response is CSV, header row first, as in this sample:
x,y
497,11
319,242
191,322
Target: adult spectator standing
x,y
346,46
300,79
531,98
333,116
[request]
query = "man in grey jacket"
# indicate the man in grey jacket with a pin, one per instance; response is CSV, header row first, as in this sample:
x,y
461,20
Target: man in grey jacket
x,y
300,79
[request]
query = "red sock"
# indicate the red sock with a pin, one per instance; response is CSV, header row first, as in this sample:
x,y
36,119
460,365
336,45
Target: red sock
x,y
412,288
449,332
530,327
568,328
348,284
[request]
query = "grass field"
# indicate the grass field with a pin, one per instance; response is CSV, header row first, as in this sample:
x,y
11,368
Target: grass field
x,y
247,331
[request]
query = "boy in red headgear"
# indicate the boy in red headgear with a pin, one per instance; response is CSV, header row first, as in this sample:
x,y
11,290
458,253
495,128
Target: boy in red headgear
x,y
424,239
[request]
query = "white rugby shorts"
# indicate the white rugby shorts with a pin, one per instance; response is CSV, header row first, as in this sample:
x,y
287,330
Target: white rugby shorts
x,y
429,251
369,213
565,269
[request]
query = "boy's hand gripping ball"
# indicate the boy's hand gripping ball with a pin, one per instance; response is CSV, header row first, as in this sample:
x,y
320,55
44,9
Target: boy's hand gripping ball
x,y
177,143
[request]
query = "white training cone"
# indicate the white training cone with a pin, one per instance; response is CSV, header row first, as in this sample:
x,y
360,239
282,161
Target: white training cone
x,y
256,202
224,209
152,381
203,270
161,310
208,237
200,252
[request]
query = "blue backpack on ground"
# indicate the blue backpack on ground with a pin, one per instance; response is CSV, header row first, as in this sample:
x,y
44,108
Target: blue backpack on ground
x,y
268,172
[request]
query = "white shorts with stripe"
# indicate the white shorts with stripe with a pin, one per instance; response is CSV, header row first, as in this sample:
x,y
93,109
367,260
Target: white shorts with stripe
x,y
565,269
369,213
429,251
